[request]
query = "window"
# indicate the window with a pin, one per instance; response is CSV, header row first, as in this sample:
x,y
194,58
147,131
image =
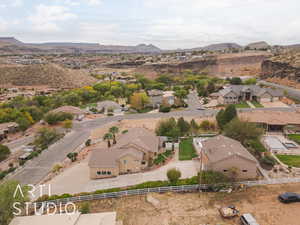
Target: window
x,y
125,161
103,172
245,171
143,162
98,173
108,173
225,171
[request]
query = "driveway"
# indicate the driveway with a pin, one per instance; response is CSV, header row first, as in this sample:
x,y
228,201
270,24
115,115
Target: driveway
x,y
76,179
275,104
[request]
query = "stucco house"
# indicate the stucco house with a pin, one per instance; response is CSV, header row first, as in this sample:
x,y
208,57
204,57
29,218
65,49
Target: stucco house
x,y
237,93
132,153
155,98
221,153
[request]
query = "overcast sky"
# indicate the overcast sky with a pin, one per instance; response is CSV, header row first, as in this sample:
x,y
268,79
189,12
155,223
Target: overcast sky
x,y
168,24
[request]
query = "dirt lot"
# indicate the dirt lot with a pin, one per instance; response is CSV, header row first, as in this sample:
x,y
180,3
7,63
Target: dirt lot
x,y
200,209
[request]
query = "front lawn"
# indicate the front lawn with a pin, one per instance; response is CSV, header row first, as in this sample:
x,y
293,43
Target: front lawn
x,y
257,104
242,105
187,150
294,137
290,160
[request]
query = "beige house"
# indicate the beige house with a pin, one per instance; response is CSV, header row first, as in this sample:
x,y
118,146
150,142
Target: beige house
x,y
221,154
238,93
132,153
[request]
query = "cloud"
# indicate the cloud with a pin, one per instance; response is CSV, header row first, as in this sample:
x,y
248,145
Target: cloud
x,y
16,3
3,25
94,2
46,18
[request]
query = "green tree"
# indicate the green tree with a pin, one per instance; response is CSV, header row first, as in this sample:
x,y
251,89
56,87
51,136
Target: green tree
x,y
236,81
184,126
68,124
7,200
4,152
212,177
108,137
225,116
173,175
194,127
242,131
45,137
72,156
114,130
250,81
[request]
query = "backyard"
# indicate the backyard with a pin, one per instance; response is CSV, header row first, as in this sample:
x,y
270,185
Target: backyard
x,y
187,150
290,160
294,137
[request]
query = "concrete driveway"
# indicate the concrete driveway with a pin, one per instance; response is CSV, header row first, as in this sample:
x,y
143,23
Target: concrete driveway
x,y
76,179
275,104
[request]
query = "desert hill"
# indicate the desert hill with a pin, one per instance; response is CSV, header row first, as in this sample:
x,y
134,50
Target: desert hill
x,y
50,75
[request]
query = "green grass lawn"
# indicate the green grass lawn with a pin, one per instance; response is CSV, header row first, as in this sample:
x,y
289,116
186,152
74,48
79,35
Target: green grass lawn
x,y
186,149
294,137
290,160
242,105
257,104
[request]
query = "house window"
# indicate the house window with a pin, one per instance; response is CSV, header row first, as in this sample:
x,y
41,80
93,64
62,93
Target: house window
x,y
108,173
125,161
103,172
245,171
143,162
98,173
225,171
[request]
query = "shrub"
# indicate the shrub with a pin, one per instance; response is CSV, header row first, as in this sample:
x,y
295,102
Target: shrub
x,y
269,160
56,168
4,152
88,142
173,175
164,109
84,208
54,118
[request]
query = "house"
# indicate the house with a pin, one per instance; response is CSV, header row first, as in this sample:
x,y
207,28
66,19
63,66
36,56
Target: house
x,y
155,98
132,153
108,218
221,153
169,97
237,93
107,106
273,121
78,113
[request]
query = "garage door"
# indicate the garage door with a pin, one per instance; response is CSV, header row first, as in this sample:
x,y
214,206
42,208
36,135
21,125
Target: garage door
x,y
265,100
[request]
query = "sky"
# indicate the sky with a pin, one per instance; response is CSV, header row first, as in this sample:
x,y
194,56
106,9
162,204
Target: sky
x,y
168,24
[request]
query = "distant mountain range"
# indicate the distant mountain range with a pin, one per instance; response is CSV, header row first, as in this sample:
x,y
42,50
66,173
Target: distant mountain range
x,y
10,45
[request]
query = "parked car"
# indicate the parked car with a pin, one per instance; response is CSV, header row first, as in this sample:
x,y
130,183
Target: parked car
x,y
248,219
289,197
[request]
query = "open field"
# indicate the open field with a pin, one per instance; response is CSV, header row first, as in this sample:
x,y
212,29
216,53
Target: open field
x,y
196,209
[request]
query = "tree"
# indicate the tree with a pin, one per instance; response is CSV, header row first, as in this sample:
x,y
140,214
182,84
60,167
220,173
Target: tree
x,y
167,80
54,118
139,100
84,208
250,81
7,199
46,137
184,126
225,116
181,93
4,152
165,126
72,156
194,127
173,175
210,87
236,81
242,131
114,130
68,124
108,137
212,177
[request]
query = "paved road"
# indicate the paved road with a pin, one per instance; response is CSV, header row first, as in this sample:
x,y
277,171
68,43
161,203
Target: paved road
x,y
293,92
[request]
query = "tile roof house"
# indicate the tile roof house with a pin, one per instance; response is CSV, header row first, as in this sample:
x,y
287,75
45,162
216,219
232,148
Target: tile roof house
x,y
237,93
131,154
221,153
108,218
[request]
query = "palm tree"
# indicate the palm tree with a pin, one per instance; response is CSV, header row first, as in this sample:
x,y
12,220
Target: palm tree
x,y
114,130
108,137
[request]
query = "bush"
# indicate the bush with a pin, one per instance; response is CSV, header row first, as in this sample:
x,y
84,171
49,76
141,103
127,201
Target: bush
x,y
88,142
54,118
46,137
84,208
4,152
164,109
173,175
269,160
